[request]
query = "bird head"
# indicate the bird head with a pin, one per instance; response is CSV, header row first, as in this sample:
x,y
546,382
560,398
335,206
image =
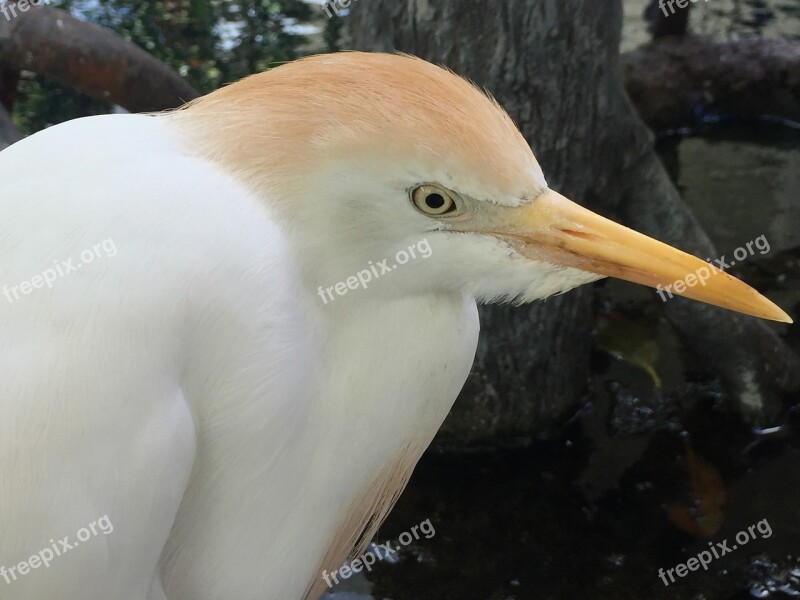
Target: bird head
x,y
361,156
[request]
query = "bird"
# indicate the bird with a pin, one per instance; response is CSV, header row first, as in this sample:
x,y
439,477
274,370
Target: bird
x,y
232,329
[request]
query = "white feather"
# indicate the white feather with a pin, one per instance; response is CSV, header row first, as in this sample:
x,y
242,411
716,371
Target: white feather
x,y
190,387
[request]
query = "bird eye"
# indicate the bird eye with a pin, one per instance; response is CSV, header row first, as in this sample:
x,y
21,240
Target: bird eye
x,y
433,200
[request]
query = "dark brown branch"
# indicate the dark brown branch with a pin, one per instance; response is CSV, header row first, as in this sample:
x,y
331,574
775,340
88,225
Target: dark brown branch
x,y
90,59
670,79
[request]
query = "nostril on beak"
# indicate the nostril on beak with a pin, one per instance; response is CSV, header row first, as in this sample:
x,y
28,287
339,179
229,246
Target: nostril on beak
x,y
584,235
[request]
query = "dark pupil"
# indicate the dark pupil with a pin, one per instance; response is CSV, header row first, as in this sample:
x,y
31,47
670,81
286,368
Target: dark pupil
x,y
435,201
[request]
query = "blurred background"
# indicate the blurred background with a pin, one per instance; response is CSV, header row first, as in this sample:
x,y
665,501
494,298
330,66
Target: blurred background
x,y
605,434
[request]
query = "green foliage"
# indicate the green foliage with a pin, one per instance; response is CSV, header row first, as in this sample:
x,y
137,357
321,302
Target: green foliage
x,y
208,42
42,103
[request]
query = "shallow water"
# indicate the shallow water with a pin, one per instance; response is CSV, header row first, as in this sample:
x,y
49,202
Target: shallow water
x,y
643,477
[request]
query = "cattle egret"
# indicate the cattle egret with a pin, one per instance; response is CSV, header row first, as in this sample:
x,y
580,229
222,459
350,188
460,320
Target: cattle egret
x,y
242,434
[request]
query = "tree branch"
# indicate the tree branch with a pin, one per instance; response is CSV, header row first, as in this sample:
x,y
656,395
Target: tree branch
x,y
671,79
90,59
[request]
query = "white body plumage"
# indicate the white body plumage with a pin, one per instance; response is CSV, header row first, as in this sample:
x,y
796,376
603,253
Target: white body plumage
x,y
191,358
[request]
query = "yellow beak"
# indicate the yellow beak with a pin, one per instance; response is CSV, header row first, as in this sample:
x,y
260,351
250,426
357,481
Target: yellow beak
x,y
555,230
